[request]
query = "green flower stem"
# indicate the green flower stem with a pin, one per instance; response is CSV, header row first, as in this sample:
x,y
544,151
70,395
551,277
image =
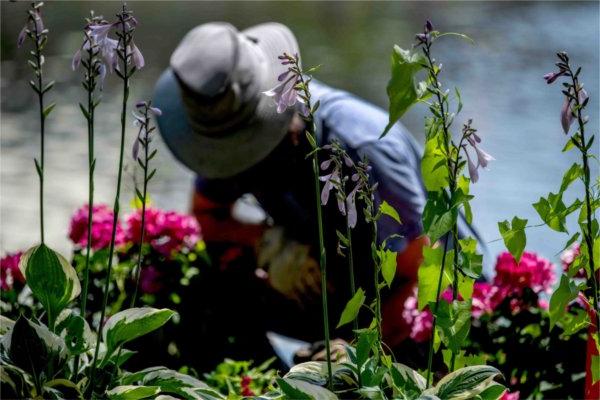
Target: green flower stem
x,y
351,269
91,83
311,130
124,39
588,236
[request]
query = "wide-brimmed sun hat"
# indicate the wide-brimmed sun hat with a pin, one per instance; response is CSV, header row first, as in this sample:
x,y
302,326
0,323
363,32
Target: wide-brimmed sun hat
x,y
215,118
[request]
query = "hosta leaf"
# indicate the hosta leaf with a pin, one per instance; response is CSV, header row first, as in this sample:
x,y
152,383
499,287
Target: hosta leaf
x,y
390,211
352,308
466,383
407,380
6,324
565,293
130,324
169,381
453,322
429,274
51,278
75,331
494,392
402,89
131,392
514,236
296,389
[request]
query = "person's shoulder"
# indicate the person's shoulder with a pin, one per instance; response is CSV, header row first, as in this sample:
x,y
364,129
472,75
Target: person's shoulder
x,y
355,121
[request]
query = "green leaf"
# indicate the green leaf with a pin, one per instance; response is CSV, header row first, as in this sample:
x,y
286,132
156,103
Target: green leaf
x,y
565,293
409,382
388,265
130,392
169,381
595,369
390,211
441,225
77,333
514,236
494,392
433,165
570,176
291,391
573,322
53,281
402,89
49,109
132,323
352,308
553,211
453,322
466,383
470,262
429,274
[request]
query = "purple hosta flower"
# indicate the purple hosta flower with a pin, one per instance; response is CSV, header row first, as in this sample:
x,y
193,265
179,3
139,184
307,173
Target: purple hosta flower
x,y
550,77
566,112
351,207
473,174
285,93
141,121
330,181
425,36
483,158
34,20
136,56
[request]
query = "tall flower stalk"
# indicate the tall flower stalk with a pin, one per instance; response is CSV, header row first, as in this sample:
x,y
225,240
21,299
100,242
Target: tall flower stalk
x,y
441,213
126,60
144,138
38,35
294,88
93,72
336,179
575,102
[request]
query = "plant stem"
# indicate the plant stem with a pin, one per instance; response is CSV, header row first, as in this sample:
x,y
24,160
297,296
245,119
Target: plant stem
x,y
90,81
351,269
125,77
40,92
589,239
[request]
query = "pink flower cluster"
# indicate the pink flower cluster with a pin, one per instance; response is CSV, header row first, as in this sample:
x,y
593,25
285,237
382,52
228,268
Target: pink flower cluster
x,y
511,278
102,223
166,231
10,272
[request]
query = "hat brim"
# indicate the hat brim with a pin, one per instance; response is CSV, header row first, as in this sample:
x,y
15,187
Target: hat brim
x,y
229,154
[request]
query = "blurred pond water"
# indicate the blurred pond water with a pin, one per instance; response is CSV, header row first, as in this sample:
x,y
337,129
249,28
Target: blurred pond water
x,y
500,78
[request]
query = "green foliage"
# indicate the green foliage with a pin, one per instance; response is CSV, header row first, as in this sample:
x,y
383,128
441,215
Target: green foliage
x,y
553,211
466,383
433,164
51,278
390,211
402,89
352,308
132,323
388,265
453,322
514,236
131,392
429,274
565,293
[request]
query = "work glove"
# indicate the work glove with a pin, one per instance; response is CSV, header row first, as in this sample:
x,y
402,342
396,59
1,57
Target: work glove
x,y
289,268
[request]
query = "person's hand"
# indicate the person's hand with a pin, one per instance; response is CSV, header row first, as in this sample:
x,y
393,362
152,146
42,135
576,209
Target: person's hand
x,y
289,268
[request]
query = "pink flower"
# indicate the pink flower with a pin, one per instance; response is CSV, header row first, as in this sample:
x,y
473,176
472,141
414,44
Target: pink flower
x,y
166,231
532,272
509,396
486,298
10,272
567,258
150,280
421,322
102,224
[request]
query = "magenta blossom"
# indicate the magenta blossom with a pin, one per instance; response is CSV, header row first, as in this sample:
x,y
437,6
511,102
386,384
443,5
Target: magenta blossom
x,y
420,322
532,272
567,258
509,396
102,224
150,281
166,231
486,298
10,272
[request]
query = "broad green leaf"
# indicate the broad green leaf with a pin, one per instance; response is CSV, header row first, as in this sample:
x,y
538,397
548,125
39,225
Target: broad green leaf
x,y
433,165
130,392
296,389
169,381
435,208
75,331
53,281
352,308
34,348
470,262
494,392
314,372
453,322
565,293
466,383
441,225
429,274
409,381
388,265
514,236
573,322
130,324
465,287
402,89
461,359
390,211
553,211
570,176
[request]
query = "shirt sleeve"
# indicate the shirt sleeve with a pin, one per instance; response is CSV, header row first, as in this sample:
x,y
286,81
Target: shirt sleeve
x,y
395,163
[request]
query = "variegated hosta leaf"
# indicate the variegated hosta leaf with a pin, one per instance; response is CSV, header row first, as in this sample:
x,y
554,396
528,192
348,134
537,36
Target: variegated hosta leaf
x,y
407,381
132,323
302,390
6,324
168,380
466,383
315,372
131,392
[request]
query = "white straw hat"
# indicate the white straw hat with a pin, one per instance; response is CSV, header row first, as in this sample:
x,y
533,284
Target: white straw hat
x,y
215,118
